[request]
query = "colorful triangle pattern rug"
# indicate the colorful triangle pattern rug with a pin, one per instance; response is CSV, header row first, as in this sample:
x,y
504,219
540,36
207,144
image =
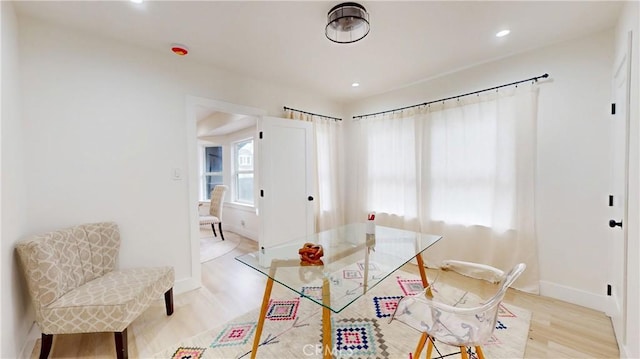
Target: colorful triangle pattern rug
x,y
293,329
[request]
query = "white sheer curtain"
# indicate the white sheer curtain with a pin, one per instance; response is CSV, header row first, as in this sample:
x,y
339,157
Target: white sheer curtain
x,y
473,180
387,170
328,135
329,148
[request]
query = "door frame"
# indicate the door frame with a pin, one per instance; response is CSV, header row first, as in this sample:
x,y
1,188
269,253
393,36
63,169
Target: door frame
x,y
617,308
192,103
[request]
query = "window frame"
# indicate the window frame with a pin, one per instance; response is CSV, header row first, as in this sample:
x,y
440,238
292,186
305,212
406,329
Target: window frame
x,y
236,171
203,178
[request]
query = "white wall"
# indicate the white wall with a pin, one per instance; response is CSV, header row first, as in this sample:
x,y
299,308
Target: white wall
x,y
13,223
629,20
572,168
105,125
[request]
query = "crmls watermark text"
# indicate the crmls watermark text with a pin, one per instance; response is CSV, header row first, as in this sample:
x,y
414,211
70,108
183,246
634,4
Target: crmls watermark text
x,y
317,349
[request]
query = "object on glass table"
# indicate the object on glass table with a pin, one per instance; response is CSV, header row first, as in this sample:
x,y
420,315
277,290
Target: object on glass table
x,y
370,225
371,242
310,254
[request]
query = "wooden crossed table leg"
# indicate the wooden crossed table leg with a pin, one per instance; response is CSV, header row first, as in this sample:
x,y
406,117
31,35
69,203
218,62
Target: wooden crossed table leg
x,y
326,315
326,312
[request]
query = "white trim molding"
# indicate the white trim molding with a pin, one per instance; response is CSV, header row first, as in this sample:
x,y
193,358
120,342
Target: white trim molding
x,y
193,102
574,296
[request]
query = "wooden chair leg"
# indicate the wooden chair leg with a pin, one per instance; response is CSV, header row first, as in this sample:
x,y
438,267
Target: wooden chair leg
x,y
463,353
168,301
429,347
122,351
479,352
420,346
213,226
45,345
220,228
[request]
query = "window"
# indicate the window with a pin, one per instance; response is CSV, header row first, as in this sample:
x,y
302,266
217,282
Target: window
x,y
469,162
467,182
243,171
391,186
212,169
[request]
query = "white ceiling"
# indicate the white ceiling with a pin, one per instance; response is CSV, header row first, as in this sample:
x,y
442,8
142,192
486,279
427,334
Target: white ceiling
x,y
284,42
215,123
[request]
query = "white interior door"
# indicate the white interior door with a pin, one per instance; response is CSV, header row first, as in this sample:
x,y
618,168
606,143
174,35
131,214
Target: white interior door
x,y
285,191
618,202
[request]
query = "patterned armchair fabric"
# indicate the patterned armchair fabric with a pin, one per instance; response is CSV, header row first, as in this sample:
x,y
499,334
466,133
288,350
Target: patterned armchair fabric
x,y
74,286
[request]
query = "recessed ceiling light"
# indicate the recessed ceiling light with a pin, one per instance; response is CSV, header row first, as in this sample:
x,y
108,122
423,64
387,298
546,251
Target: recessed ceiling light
x,y
503,33
136,1
355,84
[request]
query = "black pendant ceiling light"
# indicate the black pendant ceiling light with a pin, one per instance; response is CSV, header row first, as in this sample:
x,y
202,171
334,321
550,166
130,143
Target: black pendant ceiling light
x,y
347,22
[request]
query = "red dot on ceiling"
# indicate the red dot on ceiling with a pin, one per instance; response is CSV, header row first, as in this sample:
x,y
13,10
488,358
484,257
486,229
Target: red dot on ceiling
x,y
179,50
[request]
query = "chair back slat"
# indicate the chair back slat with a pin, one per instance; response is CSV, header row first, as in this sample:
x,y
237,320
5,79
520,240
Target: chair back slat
x,y
217,198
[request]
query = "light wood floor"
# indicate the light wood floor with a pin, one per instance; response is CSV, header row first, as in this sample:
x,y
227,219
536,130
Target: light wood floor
x,y
558,329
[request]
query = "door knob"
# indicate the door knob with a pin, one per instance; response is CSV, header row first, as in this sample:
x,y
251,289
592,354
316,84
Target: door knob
x,y
310,198
613,223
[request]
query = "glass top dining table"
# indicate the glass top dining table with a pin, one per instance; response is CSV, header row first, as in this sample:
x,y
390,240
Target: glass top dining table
x,y
356,257
354,261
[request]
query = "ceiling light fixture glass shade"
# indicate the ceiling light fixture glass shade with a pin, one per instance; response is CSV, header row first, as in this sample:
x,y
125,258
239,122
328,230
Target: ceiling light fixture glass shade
x,y
347,22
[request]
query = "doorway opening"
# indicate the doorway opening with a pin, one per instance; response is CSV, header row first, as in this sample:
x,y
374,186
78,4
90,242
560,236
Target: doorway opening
x,y
220,136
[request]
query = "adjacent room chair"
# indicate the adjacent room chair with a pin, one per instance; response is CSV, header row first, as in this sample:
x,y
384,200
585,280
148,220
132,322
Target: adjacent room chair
x,y
454,316
215,209
75,287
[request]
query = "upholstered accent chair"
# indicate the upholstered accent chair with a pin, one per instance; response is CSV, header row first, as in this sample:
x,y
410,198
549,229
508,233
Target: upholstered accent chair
x,y
215,209
75,287
456,316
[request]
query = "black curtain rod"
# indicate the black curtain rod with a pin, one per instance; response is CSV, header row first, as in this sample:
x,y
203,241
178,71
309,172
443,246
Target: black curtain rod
x,y
312,114
452,97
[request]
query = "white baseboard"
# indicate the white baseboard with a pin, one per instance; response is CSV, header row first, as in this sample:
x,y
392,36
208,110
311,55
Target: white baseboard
x,y
575,296
185,285
243,232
